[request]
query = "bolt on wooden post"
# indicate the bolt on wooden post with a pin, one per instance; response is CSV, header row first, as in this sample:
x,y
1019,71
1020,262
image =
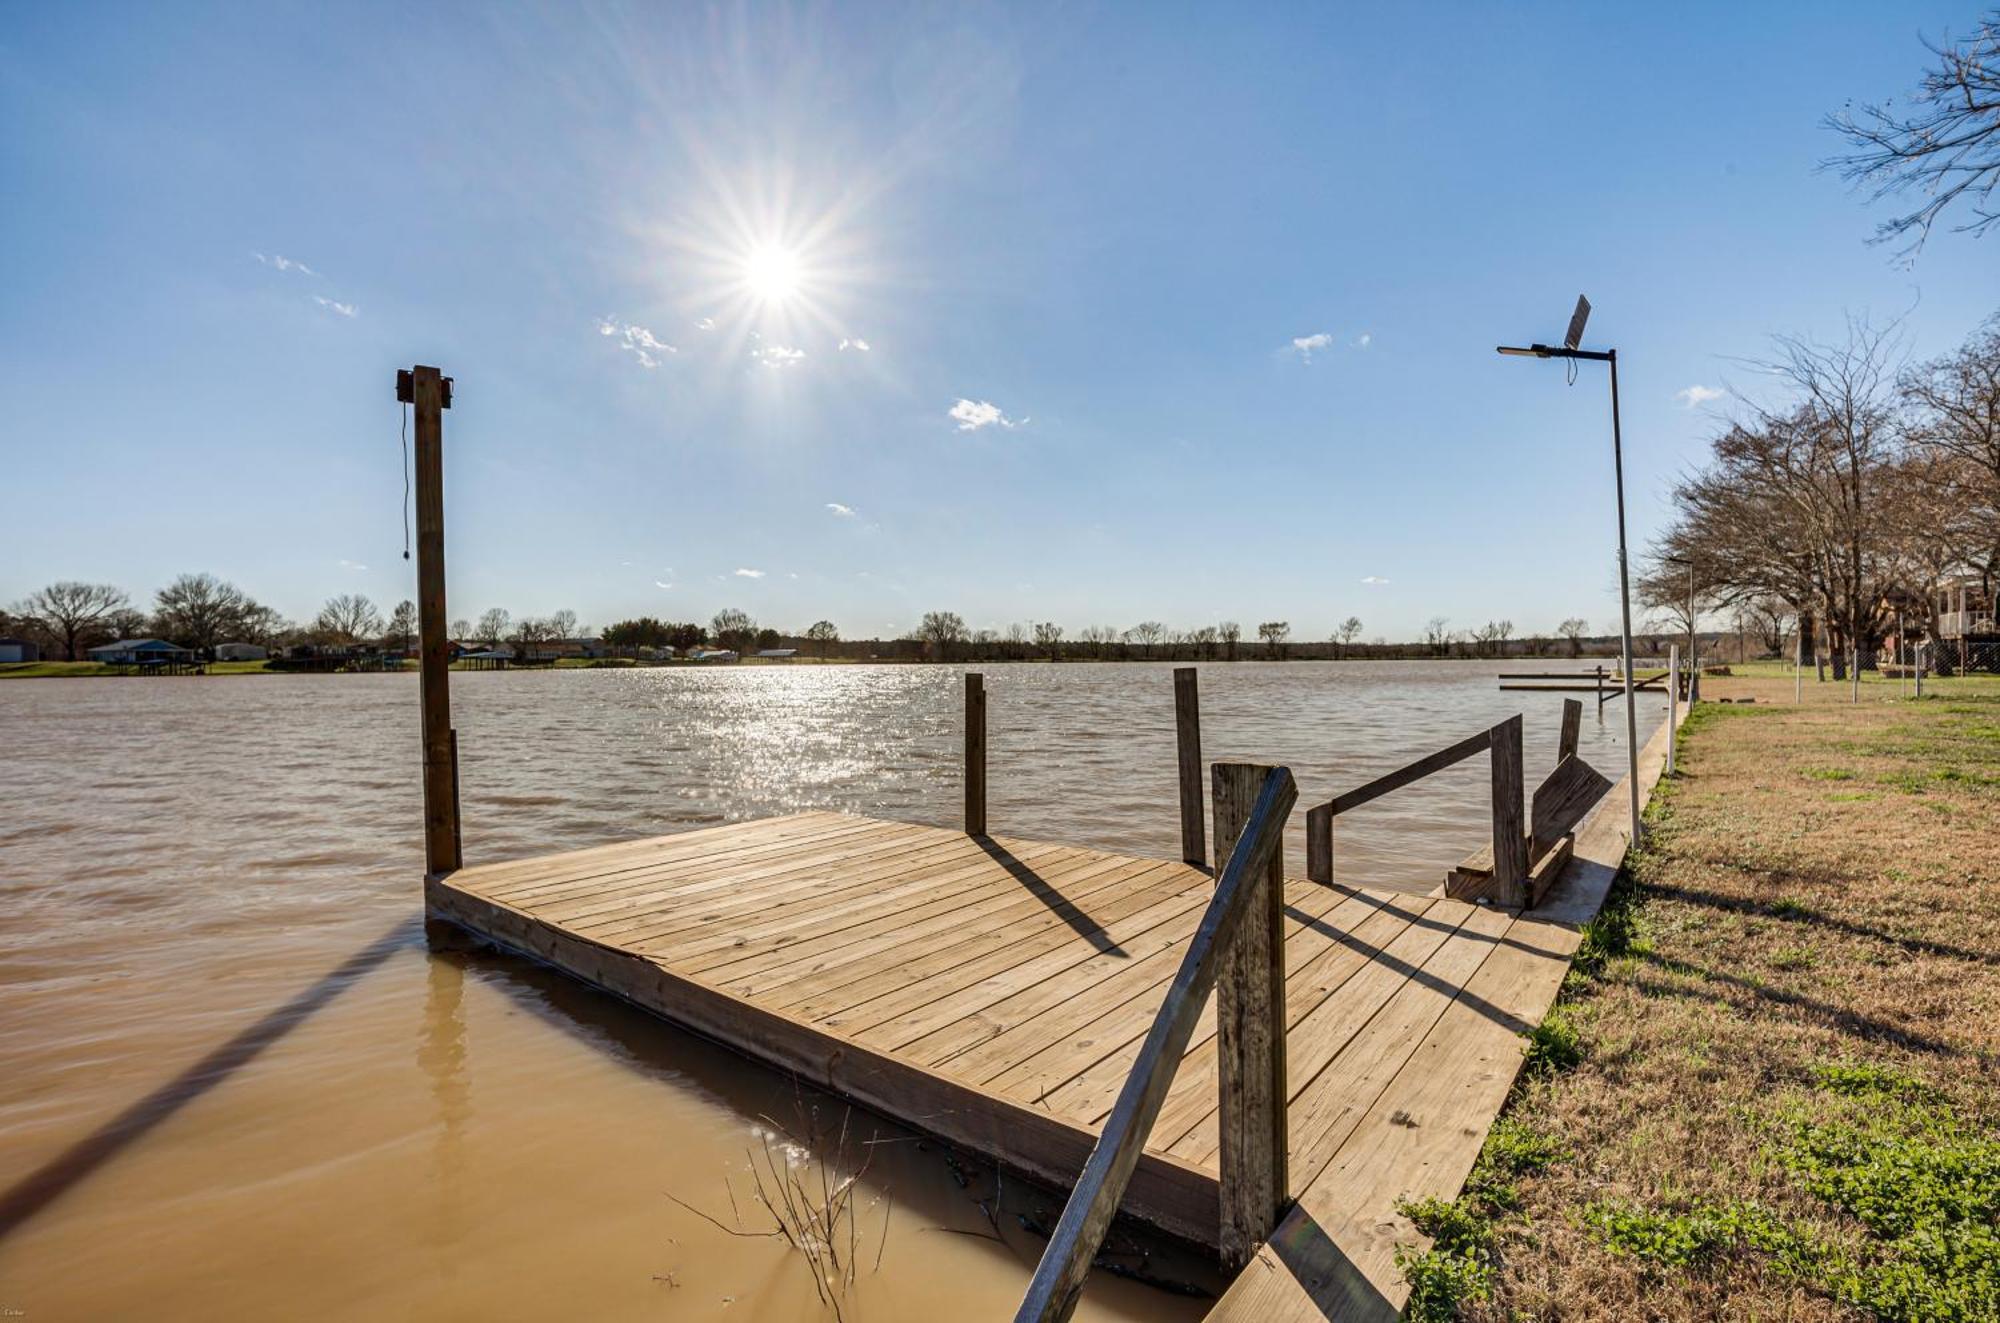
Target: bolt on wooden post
x,y
975,754
1250,1037
428,393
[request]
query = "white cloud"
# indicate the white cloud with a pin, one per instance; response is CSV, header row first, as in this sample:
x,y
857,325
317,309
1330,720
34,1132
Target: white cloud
x,y
285,264
843,511
705,324
1374,579
749,574
1363,340
1695,396
331,305
777,356
662,583
351,565
861,345
1305,346
641,343
972,415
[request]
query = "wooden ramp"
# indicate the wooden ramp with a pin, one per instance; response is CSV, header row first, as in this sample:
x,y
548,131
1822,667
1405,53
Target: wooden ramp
x,y
995,992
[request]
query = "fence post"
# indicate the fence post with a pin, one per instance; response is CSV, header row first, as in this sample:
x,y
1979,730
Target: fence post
x,y
1250,1038
1674,699
975,754
1510,837
1923,656
1571,728
1319,844
1187,746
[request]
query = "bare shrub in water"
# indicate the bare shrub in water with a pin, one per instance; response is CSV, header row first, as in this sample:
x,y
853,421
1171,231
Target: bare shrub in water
x,y
807,1188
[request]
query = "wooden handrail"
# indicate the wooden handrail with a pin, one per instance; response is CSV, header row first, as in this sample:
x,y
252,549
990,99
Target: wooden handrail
x,y
1060,1275
1416,771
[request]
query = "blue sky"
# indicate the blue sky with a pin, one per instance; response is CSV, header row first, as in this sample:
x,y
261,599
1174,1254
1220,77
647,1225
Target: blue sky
x,y
1115,233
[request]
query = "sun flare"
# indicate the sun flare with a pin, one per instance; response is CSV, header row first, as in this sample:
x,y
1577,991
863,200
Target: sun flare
x,y
772,273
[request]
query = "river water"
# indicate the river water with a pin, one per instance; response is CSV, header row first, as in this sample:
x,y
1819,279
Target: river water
x,y
239,1083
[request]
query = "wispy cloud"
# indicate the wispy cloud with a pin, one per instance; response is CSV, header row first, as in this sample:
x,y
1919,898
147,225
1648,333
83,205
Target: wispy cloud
x,y
285,264
705,324
662,583
749,574
1363,340
972,415
1373,580
1305,346
350,565
335,306
641,343
777,356
1695,396
859,345
841,511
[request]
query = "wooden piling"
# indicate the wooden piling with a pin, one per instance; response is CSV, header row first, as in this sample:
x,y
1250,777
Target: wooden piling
x,y
1510,843
1319,844
1250,1038
1187,745
1572,727
975,754
428,393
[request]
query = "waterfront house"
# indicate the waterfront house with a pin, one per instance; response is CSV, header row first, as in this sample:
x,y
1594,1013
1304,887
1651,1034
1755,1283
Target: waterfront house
x,y
141,652
19,650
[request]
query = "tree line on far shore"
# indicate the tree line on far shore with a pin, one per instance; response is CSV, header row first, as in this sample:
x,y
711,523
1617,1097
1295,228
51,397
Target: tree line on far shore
x,y
202,611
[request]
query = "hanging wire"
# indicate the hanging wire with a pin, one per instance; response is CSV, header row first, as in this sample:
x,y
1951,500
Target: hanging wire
x,y
404,410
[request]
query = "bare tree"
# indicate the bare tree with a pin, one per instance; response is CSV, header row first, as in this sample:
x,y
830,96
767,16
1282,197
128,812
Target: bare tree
x,y
1437,635
348,618
1230,632
1944,148
402,627
733,629
199,610
1350,630
940,630
1048,637
563,623
492,626
1147,634
69,612
1574,629
1204,641
1274,633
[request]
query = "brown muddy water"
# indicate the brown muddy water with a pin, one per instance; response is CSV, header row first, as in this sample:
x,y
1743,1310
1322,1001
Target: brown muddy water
x,y
238,1084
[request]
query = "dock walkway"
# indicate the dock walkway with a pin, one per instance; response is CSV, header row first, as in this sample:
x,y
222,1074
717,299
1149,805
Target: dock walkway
x,y
996,991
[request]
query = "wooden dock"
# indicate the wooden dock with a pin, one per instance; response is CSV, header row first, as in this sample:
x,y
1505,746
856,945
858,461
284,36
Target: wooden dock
x,y
996,991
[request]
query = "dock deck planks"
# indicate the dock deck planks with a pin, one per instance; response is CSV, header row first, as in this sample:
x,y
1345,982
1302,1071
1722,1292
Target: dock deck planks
x,y
996,991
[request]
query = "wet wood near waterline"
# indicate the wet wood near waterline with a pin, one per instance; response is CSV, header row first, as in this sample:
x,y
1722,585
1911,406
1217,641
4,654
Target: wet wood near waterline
x,y
996,991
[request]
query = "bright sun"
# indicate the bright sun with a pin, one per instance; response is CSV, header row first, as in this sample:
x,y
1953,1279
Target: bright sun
x,y
772,273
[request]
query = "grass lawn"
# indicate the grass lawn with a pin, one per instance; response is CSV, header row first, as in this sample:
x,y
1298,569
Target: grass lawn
x,y
44,670
1771,1088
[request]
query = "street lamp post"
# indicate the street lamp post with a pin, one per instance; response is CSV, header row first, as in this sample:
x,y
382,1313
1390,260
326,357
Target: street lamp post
x,y
1694,671
1569,350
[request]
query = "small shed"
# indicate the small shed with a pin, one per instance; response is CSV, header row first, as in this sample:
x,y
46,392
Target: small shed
x,y
20,650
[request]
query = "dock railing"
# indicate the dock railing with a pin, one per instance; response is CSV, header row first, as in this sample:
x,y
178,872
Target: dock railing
x,y
1237,951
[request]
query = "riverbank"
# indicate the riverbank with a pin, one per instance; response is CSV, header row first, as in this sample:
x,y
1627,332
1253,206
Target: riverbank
x,y
1769,1088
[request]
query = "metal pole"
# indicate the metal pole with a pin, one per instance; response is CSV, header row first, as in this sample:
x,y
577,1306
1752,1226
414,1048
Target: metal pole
x,y
1625,605
1693,670
1673,701
1799,661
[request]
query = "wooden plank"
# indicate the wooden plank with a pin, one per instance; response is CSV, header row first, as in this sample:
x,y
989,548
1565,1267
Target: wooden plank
x,y
975,754
1416,771
1572,727
1250,1032
524,878
1187,748
1175,1197
1113,1160
1571,791
1510,848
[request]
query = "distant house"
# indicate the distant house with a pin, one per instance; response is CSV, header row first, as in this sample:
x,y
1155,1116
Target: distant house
x,y
19,650
778,654
241,652
712,655
556,649
141,652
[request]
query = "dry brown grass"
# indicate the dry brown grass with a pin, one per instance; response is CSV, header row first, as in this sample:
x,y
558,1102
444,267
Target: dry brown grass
x,y
1822,890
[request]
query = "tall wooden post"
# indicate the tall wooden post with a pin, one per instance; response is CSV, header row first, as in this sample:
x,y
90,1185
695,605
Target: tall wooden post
x,y
1510,834
1250,1037
975,754
1187,744
428,393
1571,728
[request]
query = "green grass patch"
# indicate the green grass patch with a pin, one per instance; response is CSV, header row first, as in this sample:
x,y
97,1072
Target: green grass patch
x,y
1458,1267
1794,958
1831,773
